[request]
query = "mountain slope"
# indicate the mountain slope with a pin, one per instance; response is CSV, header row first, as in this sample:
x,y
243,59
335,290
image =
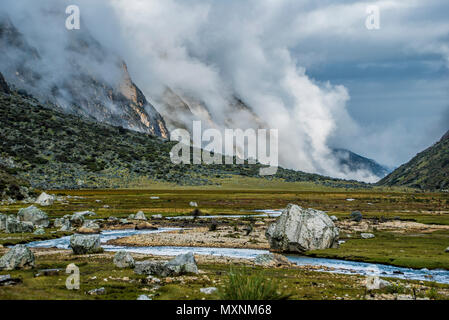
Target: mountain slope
x,y
429,170
55,150
79,76
355,162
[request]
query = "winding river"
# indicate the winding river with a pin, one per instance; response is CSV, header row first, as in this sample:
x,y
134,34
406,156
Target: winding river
x,y
325,265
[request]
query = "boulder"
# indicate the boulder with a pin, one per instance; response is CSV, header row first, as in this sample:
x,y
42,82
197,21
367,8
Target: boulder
x,y
124,259
39,231
367,235
59,222
3,222
13,225
209,290
91,224
77,219
84,230
97,292
124,221
157,216
131,216
140,216
356,216
34,215
45,199
145,226
66,225
86,213
334,218
180,265
376,283
143,297
83,244
300,230
193,204
271,260
18,257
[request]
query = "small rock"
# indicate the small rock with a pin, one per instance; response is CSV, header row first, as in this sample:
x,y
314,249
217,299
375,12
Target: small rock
x,y
106,206
156,216
77,219
154,198
447,250
86,213
39,232
97,292
334,218
209,290
6,280
376,283
140,216
48,272
84,230
91,225
271,260
193,204
367,235
45,199
124,259
145,226
356,216
143,297
124,221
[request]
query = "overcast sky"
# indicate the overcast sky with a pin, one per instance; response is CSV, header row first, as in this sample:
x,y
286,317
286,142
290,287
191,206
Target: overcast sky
x,y
310,68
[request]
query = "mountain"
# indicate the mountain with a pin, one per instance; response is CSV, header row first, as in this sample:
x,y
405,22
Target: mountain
x,y
429,170
351,161
54,150
80,77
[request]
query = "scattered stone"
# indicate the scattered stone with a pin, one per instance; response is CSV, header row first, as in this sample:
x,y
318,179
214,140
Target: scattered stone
x,y
154,198
157,216
48,272
334,218
131,216
84,230
77,219
145,226
34,215
376,283
98,201
13,225
367,235
106,206
113,219
86,213
39,232
143,297
90,224
18,257
447,250
209,290
6,280
45,199
356,216
182,264
271,260
300,230
83,244
124,259
140,216
66,225
193,204
151,279
97,292
124,221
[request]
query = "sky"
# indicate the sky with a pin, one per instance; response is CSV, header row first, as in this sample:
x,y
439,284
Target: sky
x,y
310,68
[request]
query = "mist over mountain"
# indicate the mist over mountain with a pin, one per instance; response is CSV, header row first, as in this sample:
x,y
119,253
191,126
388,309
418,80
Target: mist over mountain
x,y
183,73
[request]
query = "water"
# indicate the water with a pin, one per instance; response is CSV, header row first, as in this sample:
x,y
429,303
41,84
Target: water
x,y
263,214
327,265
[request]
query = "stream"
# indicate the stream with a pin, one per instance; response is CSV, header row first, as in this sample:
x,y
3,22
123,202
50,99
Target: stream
x,y
322,264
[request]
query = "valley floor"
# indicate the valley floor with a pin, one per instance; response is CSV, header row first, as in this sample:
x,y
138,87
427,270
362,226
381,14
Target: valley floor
x,y
411,230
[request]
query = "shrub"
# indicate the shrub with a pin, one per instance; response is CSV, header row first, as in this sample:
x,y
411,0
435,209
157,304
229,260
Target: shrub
x,y
243,284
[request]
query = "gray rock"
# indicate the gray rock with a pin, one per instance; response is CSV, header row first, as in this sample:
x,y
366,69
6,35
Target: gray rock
x,y
45,199
86,213
124,259
124,221
13,225
97,292
59,222
113,219
367,235
271,260
34,215
300,230
131,216
6,280
356,216
447,250
156,216
83,244
77,219
91,224
3,222
39,231
193,204
334,218
140,216
376,283
182,264
66,225
18,257
209,290
143,297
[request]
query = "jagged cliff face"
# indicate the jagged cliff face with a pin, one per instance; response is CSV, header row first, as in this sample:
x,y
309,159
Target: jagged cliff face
x,y
88,81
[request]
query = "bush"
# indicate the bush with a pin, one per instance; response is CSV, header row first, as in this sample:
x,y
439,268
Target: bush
x,y
243,284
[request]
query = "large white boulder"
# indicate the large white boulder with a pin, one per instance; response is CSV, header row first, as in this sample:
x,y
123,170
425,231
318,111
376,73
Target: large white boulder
x,y
300,230
45,199
82,244
34,215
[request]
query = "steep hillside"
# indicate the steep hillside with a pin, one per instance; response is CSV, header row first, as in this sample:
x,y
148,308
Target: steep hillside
x,y
354,162
54,150
80,76
429,170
